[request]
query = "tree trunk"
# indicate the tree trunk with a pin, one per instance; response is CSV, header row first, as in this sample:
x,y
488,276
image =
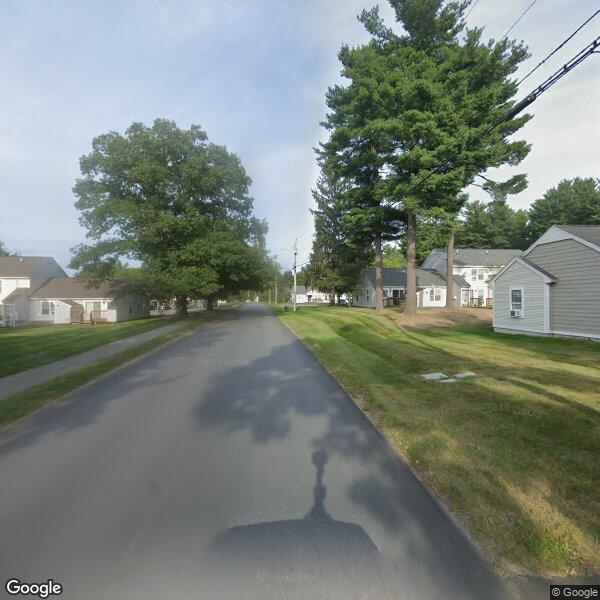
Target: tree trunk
x,y
332,298
181,306
411,273
450,272
378,274
210,302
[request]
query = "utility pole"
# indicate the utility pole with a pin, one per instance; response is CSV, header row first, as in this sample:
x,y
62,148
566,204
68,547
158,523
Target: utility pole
x,y
295,256
269,295
275,290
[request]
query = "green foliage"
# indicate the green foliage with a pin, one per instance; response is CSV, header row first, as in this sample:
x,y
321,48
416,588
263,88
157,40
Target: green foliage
x,y
493,225
3,249
334,264
412,101
177,204
571,202
393,257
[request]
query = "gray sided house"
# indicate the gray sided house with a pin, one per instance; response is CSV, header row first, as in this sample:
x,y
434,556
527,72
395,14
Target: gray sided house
x,y
19,276
554,288
63,300
477,266
431,288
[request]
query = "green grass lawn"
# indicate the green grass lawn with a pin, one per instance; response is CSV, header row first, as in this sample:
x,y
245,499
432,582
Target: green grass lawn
x,y
18,405
34,345
514,451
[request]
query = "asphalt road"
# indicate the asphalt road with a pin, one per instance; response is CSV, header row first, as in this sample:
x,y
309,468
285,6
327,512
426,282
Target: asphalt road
x,y
228,464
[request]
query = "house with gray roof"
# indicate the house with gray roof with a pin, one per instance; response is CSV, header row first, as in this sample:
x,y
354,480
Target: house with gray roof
x,y
553,289
431,288
63,300
477,266
19,276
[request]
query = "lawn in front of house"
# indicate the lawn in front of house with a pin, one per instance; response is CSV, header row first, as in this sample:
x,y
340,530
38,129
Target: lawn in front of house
x,y
513,451
34,345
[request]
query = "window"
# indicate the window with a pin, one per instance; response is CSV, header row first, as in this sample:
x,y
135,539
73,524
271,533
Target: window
x,y
47,307
481,274
130,306
516,302
473,273
438,295
431,295
368,296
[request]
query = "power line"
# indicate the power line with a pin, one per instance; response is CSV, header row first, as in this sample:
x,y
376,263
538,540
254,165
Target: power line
x,y
520,17
517,108
558,47
472,7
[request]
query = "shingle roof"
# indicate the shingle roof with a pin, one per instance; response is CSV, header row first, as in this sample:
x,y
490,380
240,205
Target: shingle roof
x,y
71,287
21,266
16,293
425,278
484,257
589,233
538,268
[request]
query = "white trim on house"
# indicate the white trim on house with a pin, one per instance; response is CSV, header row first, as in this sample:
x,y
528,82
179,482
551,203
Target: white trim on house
x,y
550,333
547,308
517,288
556,234
527,265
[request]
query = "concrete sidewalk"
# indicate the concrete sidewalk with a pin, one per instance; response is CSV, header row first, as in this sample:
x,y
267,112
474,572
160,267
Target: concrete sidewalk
x,y
26,379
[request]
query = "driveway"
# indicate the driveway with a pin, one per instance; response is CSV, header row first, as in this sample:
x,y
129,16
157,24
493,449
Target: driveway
x,y
229,464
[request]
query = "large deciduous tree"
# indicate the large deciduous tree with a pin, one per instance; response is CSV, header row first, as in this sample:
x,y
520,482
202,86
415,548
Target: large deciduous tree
x,y
3,249
176,204
412,102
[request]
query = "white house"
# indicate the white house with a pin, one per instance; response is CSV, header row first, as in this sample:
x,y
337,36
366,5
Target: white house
x,y
554,288
477,266
305,295
67,300
19,276
431,288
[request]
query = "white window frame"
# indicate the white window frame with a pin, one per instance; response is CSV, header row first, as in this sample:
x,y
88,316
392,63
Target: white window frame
x,y
431,295
510,304
50,307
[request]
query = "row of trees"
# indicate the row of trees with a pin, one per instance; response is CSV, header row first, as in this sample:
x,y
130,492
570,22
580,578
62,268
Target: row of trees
x,y
170,211
572,201
410,103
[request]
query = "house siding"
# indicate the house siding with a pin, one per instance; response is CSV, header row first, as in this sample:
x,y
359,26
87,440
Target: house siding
x,y
575,297
533,285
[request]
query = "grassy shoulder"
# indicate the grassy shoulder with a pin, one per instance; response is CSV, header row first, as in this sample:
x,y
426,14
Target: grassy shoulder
x,y
513,451
30,346
18,405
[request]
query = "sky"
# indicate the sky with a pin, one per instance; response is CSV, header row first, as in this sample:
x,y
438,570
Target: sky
x,y
253,74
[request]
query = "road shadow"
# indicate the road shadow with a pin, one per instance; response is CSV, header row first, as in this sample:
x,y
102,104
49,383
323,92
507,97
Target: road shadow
x,y
316,556
287,397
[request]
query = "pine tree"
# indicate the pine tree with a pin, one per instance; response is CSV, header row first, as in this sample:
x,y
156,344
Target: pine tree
x,y
334,264
571,202
412,101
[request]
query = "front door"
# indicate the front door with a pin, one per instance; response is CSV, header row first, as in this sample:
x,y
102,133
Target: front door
x,y
464,297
